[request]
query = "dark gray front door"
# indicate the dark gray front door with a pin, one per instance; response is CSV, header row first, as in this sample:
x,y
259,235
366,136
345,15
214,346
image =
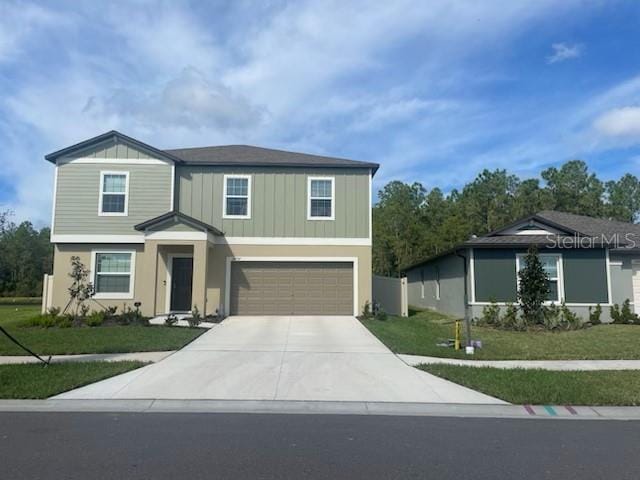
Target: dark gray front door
x,y
181,279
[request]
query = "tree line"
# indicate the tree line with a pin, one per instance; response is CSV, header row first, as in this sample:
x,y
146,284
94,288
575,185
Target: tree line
x,y
411,222
25,256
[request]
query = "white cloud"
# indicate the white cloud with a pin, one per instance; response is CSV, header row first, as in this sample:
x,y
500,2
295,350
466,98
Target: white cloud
x,y
619,123
334,77
562,52
19,22
189,101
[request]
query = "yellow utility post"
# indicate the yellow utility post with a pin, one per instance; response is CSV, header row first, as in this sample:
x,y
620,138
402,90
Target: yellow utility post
x,y
458,334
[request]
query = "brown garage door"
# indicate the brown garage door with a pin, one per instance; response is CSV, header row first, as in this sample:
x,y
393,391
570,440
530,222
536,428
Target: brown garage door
x,y
291,288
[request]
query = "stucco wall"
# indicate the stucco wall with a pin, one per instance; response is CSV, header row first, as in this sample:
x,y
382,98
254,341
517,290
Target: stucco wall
x,y
451,272
150,282
217,265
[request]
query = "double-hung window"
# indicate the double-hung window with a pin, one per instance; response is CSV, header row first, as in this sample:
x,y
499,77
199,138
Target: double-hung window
x,y
237,196
321,198
114,193
113,274
552,265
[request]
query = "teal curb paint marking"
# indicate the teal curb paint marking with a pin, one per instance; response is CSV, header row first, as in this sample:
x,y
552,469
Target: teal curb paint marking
x,y
550,410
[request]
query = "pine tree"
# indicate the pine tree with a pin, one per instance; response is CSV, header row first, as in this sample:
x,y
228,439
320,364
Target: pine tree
x,y
533,288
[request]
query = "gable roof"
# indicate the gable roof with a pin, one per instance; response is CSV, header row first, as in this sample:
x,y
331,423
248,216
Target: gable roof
x,y
110,135
173,214
572,227
231,155
247,155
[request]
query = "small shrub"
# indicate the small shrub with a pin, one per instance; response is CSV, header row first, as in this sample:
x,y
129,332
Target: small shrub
x,y
66,321
511,320
569,319
54,311
367,313
171,320
131,317
623,315
379,314
95,319
49,321
490,315
595,314
195,319
552,317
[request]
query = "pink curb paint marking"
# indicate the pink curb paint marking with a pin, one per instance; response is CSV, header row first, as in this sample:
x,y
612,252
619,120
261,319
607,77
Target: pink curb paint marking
x,y
529,410
571,409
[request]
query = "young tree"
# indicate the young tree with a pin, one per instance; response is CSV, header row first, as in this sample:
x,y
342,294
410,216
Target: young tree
x,y
81,288
533,288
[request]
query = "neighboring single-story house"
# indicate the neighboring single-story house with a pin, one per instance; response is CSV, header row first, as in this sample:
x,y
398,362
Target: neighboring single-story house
x,y
589,261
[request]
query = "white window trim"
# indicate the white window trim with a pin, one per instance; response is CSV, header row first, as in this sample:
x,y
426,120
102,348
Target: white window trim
x,y
333,198
132,274
101,193
224,197
560,278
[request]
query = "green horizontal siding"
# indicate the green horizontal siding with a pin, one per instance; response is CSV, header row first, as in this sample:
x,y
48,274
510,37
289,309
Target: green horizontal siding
x,y
278,201
78,191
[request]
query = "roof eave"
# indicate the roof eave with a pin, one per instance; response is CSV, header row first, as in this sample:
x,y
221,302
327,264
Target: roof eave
x,y
53,156
166,216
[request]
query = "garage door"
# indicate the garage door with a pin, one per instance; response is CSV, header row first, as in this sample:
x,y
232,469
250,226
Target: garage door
x,y
291,288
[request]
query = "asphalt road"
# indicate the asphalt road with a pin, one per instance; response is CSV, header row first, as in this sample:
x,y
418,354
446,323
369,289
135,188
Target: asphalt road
x,y
217,446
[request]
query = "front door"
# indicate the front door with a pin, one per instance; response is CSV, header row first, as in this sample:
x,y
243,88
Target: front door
x,y
181,279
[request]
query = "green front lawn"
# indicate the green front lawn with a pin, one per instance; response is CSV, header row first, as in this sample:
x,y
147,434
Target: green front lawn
x,y
543,387
419,334
113,339
37,381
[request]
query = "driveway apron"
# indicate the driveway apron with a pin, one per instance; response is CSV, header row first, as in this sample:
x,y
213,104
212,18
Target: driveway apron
x,y
283,358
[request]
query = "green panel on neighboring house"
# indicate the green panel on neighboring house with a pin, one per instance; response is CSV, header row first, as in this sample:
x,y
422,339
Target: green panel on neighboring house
x,y
585,275
495,275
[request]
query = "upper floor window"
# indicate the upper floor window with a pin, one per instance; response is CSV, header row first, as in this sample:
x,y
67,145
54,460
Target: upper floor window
x,y
321,195
113,274
552,265
237,196
114,193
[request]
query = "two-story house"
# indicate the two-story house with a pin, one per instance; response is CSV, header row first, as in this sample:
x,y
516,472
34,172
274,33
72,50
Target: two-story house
x,y
237,230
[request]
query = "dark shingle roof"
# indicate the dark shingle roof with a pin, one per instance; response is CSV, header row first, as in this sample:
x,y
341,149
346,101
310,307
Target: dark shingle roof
x,y
590,226
246,155
233,155
580,230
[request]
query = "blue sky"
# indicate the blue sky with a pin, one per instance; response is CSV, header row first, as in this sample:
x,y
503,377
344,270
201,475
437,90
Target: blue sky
x,y
435,91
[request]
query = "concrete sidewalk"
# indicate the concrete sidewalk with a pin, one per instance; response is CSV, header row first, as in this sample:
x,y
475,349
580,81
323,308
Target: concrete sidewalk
x,y
88,357
560,365
325,408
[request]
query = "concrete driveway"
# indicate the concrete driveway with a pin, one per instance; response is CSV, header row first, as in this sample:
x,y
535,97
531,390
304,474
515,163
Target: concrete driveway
x,y
283,358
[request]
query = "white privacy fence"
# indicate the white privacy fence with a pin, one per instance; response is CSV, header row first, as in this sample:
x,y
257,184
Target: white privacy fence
x,y
391,294
47,293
